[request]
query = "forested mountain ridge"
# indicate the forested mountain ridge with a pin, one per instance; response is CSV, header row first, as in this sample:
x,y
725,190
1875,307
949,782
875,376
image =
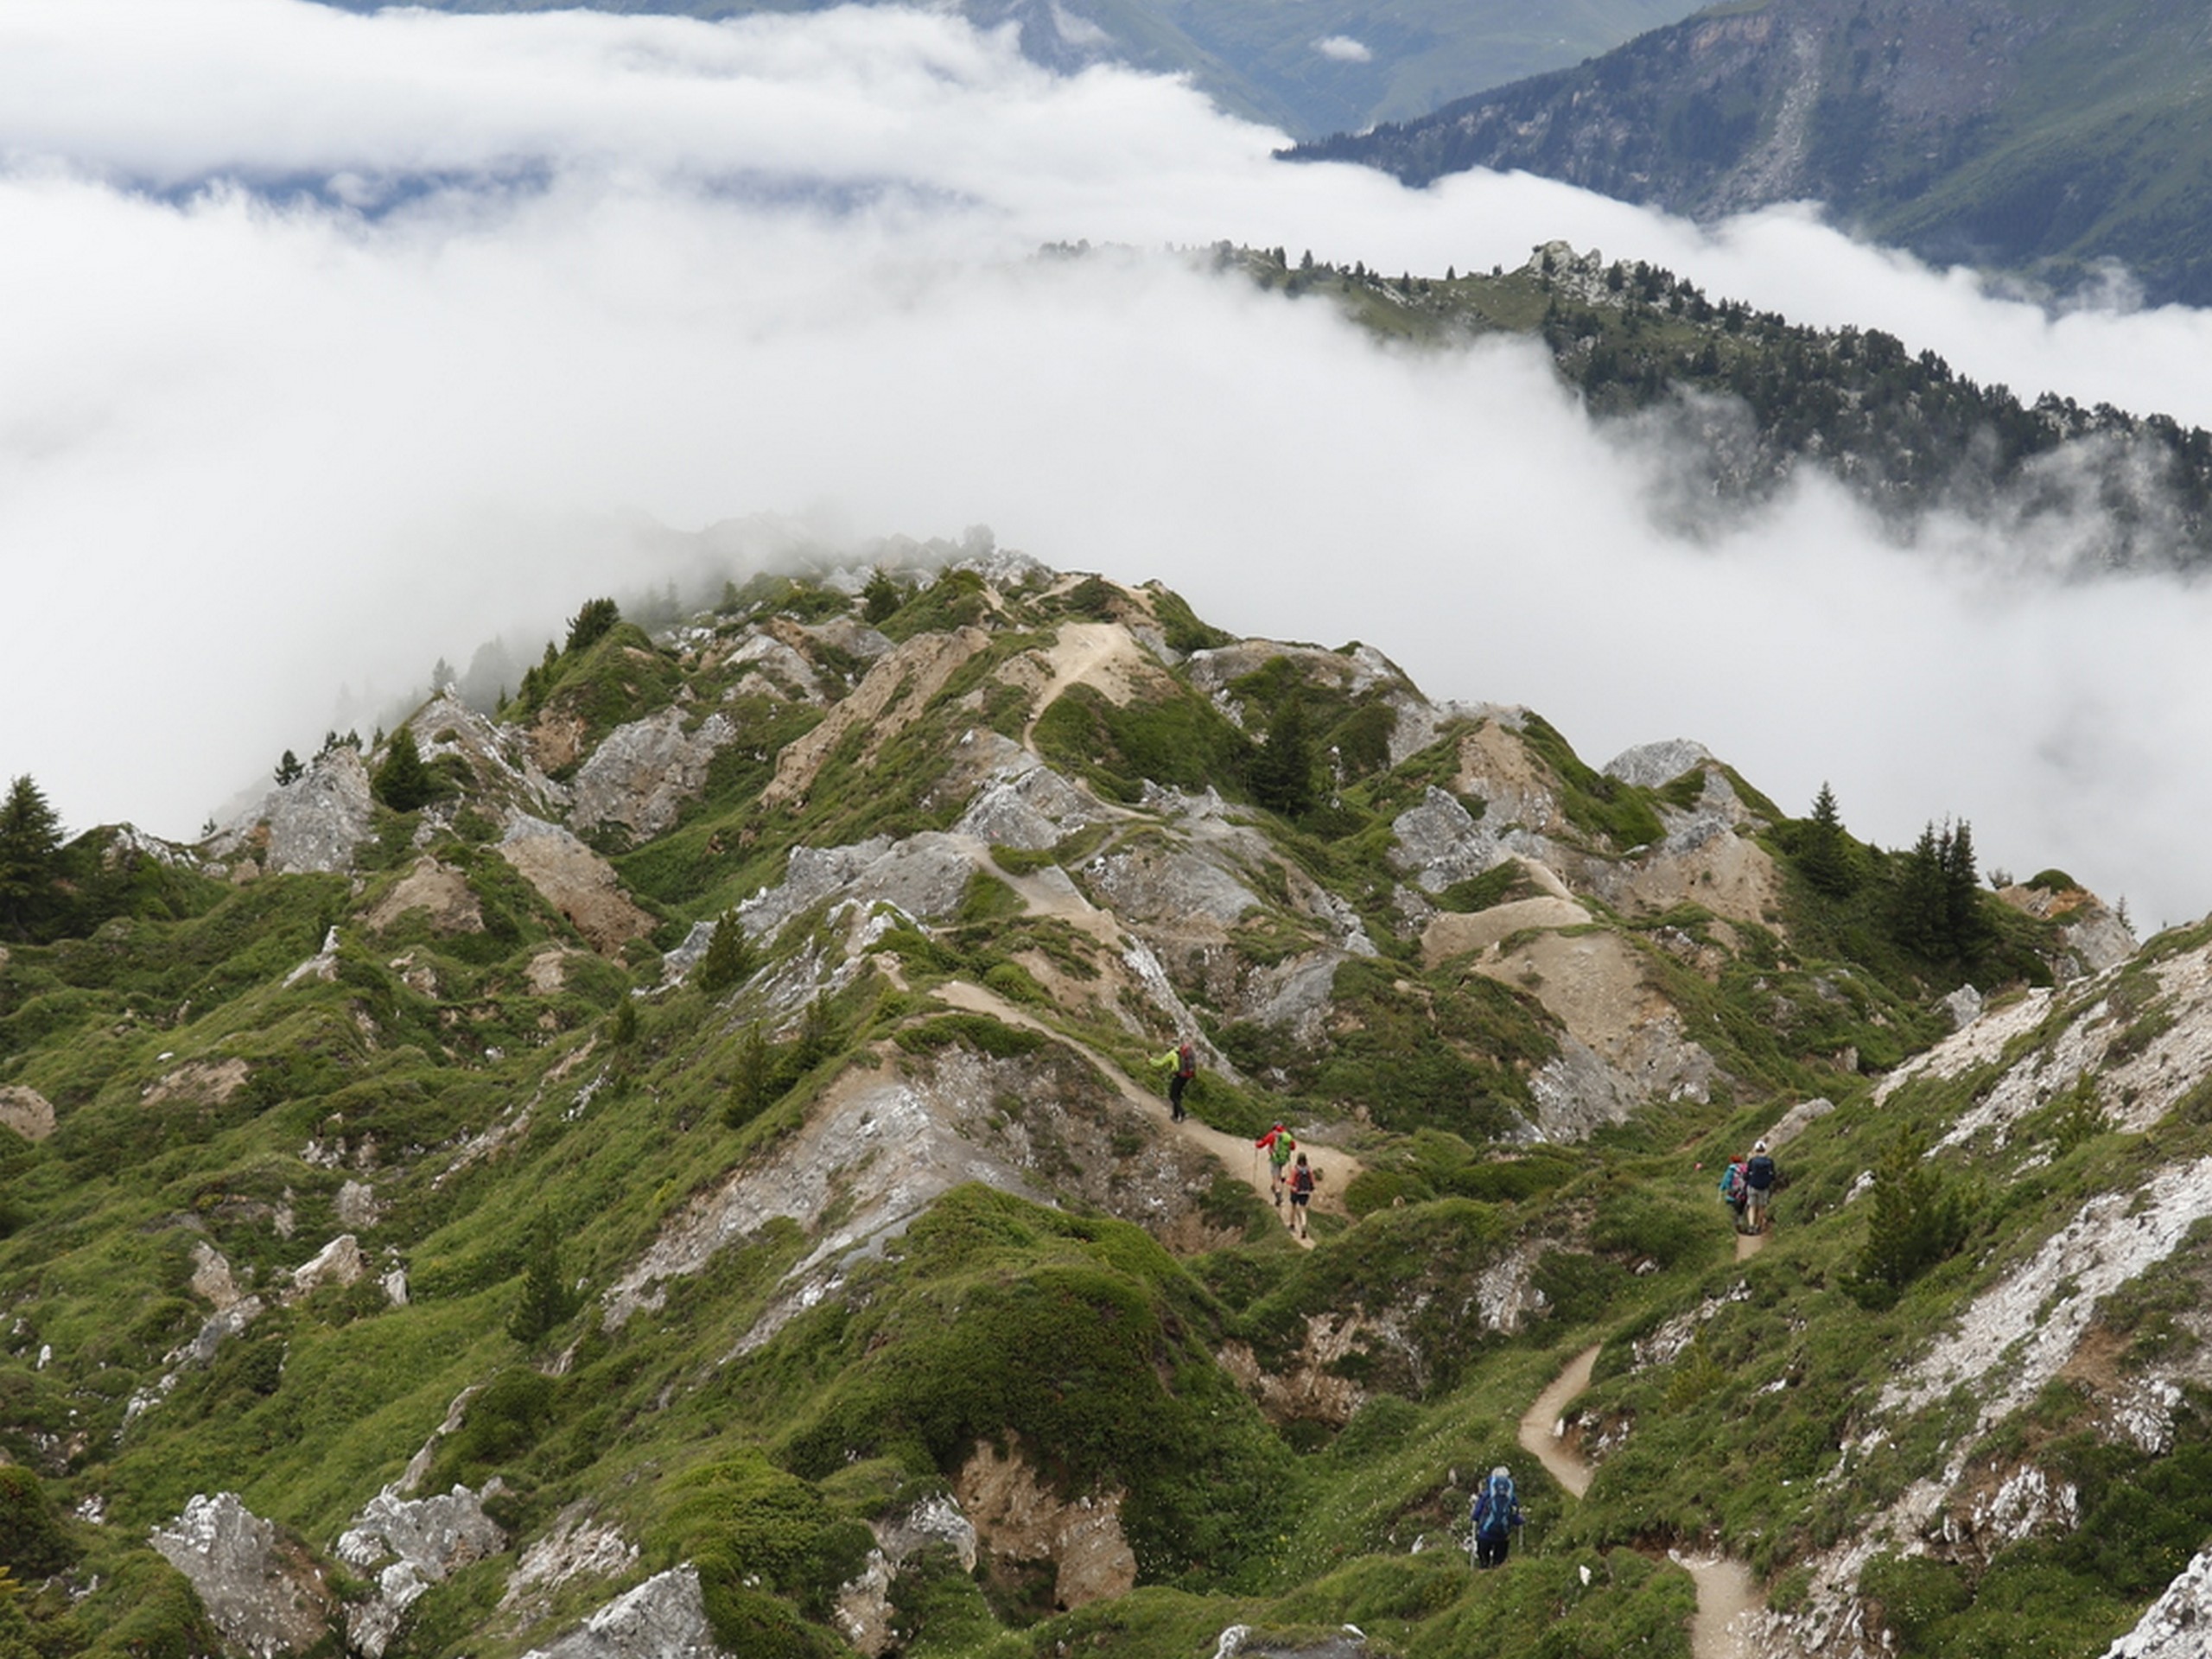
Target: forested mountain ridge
x,y
1757,399
679,1161
2032,138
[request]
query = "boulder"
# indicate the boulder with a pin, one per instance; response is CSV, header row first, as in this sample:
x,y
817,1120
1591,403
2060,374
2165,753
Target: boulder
x,y
26,1111
664,1617
264,1594
410,1545
574,880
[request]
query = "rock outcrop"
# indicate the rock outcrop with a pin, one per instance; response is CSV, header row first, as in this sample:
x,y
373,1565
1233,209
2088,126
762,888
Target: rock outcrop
x,y
263,1593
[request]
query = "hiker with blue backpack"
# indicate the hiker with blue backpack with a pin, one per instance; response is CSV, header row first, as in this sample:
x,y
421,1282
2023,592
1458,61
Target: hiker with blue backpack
x,y
1733,1191
1495,1512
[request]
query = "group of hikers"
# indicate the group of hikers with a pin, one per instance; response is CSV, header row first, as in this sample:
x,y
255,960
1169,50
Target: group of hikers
x,y
1748,1186
1289,1170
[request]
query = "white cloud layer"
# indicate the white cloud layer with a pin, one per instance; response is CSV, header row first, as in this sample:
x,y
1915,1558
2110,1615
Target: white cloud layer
x,y
335,344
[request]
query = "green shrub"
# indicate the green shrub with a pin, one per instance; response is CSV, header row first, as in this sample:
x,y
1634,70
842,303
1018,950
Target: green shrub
x,y
32,1542
978,1031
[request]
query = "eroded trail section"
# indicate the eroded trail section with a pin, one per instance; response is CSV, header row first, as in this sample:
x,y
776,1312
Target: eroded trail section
x,y
1725,1590
1542,1425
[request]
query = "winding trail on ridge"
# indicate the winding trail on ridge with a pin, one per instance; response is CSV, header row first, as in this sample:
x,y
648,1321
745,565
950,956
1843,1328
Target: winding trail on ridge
x,y
1235,1153
1726,1591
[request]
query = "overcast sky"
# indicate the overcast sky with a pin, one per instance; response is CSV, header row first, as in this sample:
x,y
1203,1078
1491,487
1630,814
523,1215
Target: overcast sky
x,y
333,345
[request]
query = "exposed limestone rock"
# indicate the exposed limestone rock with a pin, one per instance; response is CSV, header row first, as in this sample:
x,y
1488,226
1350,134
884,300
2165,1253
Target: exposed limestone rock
x,y
498,757
1157,883
768,665
2178,1624
643,774
198,1083
1018,1518
410,1545
925,876
890,695
322,966
664,1617
578,1547
863,1610
1649,765
339,1262
1964,1006
315,823
211,1276
357,1206
2139,1064
576,882
1439,842
264,1594
26,1111
881,1148
2095,937
1024,806
438,890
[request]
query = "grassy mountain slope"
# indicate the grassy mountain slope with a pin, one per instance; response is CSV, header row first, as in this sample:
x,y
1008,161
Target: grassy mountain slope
x,y
2040,138
1309,67
703,1167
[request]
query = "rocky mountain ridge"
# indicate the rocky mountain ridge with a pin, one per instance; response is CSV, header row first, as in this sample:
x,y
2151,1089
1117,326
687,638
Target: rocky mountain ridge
x,y
698,1180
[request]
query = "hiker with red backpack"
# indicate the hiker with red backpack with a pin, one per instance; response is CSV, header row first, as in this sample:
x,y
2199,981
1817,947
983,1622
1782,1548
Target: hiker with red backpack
x,y
1181,1064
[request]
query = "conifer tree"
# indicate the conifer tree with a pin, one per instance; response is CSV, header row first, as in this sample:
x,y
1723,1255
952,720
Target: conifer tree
x,y
592,623
881,597
1962,918
728,961
288,768
30,842
406,781
1914,1220
547,1300
1283,772
1919,905
1824,856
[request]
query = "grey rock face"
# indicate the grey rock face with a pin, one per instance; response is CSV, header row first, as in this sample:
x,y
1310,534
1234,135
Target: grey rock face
x,y
313,824
643,772
925,875
2179,1624
1650,765
410,1546
1439,842
664,1617
266,1597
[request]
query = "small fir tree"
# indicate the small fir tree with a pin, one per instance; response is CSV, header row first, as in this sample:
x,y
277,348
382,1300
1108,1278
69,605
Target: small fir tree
x,y
405,781
1914,1220
728,961
592,623
547,1299
881,597
754,1083
1283,772
288,768
30,845
1825,853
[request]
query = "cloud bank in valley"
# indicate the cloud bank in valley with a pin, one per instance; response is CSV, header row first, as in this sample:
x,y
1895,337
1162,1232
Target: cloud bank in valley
x,y
340,343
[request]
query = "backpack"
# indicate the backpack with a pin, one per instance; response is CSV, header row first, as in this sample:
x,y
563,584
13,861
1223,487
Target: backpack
x,y
1732,1183
1301,1179
1494,1507
1187,1061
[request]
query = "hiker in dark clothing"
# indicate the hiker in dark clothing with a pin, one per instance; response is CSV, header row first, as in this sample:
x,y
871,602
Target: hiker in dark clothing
x,y
1496,1511
1760,1179
1303,1177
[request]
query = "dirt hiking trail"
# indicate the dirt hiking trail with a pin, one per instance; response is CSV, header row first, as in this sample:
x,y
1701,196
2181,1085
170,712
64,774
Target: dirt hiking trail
x,y
1235,1153
1726,1591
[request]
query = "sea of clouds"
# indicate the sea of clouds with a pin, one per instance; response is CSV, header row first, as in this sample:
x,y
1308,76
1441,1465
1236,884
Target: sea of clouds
x,y
334,344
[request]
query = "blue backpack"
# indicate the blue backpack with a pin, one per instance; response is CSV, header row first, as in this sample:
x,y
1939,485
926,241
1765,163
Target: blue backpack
x,y
1495,1507
1732,1183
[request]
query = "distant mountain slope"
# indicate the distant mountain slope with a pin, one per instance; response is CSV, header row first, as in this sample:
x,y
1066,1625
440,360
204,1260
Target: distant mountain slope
x,y
2014,133
1308,67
